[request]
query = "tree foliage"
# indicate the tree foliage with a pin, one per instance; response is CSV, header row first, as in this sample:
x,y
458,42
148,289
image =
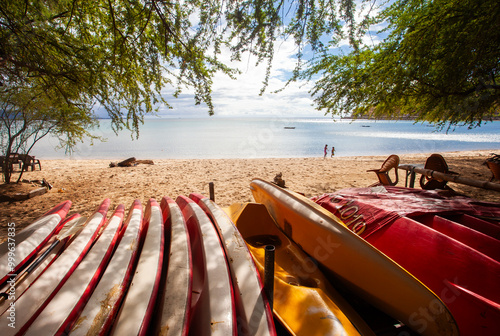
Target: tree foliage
x,y
118,54
29,114
440,63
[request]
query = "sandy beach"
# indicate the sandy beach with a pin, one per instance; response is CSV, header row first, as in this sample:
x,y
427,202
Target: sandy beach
x,y
88,182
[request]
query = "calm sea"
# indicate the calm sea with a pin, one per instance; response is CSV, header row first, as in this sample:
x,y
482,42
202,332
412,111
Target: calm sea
x,y
274,138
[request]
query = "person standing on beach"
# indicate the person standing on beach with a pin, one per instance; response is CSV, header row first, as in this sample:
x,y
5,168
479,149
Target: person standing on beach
x,y
326,151
333,151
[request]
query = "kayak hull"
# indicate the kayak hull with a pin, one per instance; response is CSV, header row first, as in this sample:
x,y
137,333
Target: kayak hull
x,y
38,295
357,264
62,310
176,301
254,315
102,307
213,305
26,244
304,301
459,263
137,310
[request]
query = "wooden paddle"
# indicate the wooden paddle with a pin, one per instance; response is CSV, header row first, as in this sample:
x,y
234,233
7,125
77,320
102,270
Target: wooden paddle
x,y
64,236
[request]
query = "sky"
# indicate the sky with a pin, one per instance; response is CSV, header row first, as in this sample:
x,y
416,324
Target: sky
x,y
241,97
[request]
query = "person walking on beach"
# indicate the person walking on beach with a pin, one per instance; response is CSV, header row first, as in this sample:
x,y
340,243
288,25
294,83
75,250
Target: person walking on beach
x,y
326,151
333,151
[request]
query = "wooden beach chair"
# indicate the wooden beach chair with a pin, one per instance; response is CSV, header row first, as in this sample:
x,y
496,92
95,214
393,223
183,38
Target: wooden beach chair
x,y
437,163
12,161
493,163
30,161
383,173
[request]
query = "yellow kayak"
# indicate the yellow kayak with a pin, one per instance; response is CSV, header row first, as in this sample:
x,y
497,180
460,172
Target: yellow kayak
x,y
304,301
356,263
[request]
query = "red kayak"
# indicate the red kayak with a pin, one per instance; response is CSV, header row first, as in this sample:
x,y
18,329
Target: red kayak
x,y
451,244
19,248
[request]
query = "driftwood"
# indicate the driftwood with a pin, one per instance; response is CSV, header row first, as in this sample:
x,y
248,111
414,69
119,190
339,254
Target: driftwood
x,y
448,177
130,162
278,180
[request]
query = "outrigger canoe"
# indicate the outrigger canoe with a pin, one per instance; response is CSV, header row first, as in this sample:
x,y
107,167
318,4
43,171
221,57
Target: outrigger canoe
x,y
175,305
254,315
101,309
63,309
356,263
304,301
24,245
137,310
449,243
38,295
213,298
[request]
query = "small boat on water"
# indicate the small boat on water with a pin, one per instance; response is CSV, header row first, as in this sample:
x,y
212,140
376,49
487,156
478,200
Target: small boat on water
x,y
451,244
289,127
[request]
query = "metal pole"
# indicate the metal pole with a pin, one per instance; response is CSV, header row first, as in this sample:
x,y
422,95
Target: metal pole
x,y
211,191
269,273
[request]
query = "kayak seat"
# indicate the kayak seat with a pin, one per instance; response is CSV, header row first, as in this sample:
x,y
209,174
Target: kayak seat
x,y
437,163
383,173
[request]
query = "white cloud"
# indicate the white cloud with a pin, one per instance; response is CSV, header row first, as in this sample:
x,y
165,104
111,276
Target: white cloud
x,y
240,97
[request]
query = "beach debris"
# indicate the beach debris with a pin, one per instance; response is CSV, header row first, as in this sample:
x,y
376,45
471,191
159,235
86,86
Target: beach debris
x,y
130,162
42,183
278,180
13,192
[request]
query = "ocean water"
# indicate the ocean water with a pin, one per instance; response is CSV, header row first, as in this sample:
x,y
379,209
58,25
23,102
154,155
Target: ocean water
x,y
212,138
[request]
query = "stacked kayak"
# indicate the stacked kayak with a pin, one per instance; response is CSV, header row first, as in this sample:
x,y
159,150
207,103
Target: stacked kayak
x,y
28,242
428,264
252,306
354,262
451,244
304,302
166,270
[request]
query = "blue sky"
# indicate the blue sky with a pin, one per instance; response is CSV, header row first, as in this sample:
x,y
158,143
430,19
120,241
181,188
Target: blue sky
x,y
240,97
